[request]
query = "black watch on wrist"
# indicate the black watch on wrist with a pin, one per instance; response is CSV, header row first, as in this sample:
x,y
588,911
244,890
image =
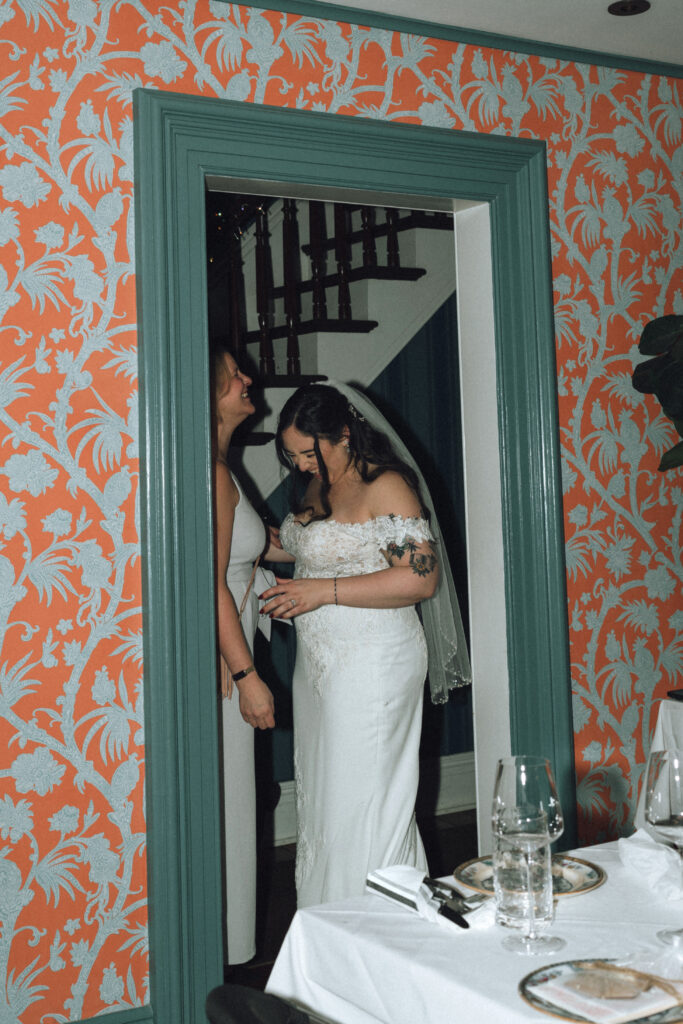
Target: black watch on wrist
x,y
240,675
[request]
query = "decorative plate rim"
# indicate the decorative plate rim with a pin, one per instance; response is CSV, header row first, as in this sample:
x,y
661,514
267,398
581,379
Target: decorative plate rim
x,y
600,871
536,1003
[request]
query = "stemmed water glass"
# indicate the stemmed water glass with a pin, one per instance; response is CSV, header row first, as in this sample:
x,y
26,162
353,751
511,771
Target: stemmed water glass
x,y
664,807
526,818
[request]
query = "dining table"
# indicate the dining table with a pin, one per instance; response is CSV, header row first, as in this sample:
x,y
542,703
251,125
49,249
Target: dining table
x,y
370,960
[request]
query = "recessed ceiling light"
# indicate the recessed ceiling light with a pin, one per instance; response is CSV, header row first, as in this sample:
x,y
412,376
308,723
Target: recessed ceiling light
x,y
623,8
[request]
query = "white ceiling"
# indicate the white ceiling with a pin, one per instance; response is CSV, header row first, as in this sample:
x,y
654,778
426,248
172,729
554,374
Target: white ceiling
x,y
655,35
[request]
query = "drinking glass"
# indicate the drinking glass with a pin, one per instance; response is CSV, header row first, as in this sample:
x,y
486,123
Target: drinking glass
x,y
526,819
664,808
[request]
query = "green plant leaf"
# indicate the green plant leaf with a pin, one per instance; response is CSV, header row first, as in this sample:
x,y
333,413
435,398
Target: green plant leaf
x,y
659,335
673,458
648,376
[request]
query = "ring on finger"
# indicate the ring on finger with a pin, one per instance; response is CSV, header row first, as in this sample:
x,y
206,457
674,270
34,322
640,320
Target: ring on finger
x,y
292,602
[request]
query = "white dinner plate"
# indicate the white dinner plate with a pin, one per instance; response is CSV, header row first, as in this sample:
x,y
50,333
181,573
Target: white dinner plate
x,y
571,875
556,989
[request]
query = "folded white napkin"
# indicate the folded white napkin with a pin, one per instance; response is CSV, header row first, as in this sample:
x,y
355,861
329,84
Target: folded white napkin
x,y
657,865
403,884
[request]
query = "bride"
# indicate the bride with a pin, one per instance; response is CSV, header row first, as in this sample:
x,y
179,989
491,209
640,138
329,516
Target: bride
x,y
365,555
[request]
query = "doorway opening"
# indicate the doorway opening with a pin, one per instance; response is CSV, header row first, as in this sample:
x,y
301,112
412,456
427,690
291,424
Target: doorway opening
x,y
301,290
524,700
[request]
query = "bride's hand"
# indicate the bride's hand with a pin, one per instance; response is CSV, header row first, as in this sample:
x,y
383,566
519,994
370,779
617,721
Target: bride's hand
x,y
256,702
290,598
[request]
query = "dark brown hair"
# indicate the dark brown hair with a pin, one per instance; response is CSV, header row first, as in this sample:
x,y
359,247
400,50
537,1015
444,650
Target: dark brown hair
x,y
321,412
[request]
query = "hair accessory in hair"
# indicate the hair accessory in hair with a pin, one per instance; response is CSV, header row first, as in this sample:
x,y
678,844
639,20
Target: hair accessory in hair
x,y
356,415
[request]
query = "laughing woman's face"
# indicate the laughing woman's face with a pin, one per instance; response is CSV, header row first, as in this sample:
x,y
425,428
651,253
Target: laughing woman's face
x,y
299,448
233,398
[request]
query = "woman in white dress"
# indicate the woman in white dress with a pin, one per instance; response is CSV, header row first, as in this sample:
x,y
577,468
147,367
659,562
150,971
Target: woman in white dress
x,y
240,539
365,555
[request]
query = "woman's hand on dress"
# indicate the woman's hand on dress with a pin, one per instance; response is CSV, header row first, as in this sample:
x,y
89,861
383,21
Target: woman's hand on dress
x,y
256,702
290,598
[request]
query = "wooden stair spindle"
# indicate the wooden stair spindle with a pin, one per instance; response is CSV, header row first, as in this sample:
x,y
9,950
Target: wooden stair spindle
x,y
236,300
342,250
317,240
263,270
393,258
367,220
290,262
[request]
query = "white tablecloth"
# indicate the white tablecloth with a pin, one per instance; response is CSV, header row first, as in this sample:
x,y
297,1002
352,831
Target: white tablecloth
x,y
369,961
668,733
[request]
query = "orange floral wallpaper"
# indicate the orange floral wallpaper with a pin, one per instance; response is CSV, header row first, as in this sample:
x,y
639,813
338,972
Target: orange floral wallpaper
x,y
72,861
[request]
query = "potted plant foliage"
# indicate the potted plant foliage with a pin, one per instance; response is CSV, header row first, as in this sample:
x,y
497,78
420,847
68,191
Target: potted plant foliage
x,y
662,375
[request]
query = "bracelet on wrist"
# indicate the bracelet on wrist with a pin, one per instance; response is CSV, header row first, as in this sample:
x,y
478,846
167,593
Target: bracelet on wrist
x,y
335,591
245,672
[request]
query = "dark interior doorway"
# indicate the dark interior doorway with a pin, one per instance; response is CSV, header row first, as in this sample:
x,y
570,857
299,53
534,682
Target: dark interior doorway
x,y
249,314
418,392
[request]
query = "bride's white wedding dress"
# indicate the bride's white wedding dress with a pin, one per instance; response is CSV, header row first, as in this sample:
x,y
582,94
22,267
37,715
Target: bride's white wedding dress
x,y
357,696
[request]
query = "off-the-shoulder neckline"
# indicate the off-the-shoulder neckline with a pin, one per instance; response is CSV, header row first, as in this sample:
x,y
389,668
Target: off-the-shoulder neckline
x,y
365,522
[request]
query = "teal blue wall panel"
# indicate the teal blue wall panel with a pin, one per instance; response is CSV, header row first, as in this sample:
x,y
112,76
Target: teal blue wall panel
x,y
419,393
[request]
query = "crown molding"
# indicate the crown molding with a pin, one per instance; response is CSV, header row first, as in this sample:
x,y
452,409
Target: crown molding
x,y
473,37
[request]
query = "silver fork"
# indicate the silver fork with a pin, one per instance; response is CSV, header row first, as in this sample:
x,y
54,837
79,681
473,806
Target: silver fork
x,y
470,900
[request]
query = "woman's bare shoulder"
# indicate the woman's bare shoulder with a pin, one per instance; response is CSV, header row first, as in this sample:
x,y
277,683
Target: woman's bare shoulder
x,y
226,489
391,494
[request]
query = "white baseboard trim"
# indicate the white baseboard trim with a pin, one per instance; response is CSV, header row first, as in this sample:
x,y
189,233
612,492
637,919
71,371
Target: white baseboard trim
x,y
450,777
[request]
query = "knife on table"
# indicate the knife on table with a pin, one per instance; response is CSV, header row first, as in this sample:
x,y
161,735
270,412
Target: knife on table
x,y
469,900
447,910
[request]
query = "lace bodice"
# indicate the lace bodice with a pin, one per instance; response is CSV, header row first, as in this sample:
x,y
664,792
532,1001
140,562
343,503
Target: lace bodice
x,y
327,547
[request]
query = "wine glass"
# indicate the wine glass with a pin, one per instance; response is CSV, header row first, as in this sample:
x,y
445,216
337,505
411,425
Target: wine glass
x,y
664,807
526,818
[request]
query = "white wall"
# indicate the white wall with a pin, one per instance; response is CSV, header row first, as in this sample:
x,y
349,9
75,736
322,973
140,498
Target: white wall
x,y
483,512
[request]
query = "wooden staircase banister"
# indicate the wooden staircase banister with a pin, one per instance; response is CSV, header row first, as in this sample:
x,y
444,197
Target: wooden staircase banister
x,y
367,220
316,250
263,279
291,264
393,255
342,253
431,221
247,213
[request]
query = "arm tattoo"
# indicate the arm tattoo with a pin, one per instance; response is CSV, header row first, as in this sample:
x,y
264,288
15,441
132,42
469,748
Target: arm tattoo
x,y
421,564
399,550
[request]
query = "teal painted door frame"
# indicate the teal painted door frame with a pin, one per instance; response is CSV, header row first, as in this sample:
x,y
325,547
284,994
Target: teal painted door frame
x,y
179,140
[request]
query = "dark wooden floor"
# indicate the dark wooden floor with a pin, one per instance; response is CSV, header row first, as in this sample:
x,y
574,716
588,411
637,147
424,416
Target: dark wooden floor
x,y
449,840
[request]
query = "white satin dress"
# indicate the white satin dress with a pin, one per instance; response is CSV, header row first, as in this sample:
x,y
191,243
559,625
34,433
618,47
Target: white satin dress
x,y
357,696
239,783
